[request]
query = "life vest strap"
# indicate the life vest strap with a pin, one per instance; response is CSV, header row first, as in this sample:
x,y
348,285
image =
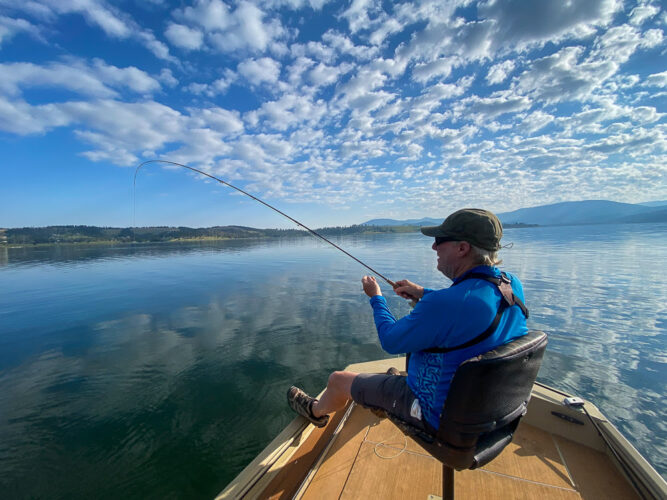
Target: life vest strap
x,y
508,300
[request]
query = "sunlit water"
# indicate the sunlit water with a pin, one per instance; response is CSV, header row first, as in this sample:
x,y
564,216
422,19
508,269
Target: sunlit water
x,y
161,371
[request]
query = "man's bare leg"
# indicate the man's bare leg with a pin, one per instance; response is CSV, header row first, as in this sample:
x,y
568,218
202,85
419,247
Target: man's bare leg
x,y
336,395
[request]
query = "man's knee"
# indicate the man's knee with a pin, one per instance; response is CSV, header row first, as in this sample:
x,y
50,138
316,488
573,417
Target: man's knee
x,y
341,380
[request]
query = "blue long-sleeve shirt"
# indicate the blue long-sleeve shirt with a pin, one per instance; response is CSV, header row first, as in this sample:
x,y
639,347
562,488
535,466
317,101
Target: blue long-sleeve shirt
x,y
447,318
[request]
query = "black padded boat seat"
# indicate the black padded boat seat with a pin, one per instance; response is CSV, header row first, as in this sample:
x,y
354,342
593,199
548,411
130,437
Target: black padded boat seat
x,y
488,396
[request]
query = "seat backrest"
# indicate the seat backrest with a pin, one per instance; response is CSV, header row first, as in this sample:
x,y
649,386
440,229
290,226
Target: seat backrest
x,y
490,392
487,397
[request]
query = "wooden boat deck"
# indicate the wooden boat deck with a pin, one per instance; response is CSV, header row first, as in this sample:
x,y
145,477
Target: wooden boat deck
x,y
358,455
371,458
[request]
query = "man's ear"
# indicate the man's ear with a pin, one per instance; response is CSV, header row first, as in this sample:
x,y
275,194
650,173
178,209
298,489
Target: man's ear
x,y
463,248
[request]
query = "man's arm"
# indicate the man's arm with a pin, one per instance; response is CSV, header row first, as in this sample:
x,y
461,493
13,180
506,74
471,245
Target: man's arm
x,y
413,332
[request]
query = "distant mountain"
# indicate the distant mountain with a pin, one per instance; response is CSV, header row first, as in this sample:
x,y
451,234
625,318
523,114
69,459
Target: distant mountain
x,y
582,212
565,213
654,203
659,215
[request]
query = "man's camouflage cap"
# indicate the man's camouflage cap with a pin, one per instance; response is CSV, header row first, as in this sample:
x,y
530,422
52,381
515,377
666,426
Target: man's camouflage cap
x,y
478,227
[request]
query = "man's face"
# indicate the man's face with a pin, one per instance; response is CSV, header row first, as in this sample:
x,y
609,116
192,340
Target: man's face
x,y
451,256
446,255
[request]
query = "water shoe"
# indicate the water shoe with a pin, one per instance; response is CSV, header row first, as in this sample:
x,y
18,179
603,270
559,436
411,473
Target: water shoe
x,y
302,404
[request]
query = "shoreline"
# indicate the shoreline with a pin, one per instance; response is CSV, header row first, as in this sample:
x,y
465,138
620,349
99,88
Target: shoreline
x,y
205,239
227,233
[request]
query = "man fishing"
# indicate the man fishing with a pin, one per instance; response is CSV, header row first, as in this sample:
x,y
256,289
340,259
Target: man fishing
x,y
482,309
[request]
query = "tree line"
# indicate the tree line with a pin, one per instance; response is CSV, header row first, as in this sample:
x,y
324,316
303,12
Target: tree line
x,y
95,234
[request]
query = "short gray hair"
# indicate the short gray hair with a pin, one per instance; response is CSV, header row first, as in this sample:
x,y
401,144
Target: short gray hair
x,y
484,257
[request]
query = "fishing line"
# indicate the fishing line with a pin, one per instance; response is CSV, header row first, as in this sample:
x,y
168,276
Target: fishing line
x,y
314,233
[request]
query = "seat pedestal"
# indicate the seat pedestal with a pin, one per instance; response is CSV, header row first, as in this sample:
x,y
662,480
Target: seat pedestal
x,y
447,483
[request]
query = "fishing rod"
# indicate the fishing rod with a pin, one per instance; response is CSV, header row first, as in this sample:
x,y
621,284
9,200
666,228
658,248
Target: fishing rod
x,y
314,233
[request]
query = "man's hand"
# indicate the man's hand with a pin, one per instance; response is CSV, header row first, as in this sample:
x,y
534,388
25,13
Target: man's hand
x,y
409,290
371,287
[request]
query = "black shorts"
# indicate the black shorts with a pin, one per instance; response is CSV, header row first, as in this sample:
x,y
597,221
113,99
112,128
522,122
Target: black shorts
x,y
390,393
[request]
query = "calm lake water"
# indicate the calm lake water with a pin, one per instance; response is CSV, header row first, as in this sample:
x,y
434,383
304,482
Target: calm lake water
x,y
161,371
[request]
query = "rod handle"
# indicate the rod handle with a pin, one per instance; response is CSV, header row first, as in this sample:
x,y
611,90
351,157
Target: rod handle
x,y
394,285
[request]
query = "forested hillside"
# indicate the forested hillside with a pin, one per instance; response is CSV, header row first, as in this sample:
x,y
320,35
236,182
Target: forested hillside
x,y
94,234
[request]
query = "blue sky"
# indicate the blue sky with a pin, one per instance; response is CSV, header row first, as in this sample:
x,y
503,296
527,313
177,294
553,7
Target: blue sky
x,y
336,112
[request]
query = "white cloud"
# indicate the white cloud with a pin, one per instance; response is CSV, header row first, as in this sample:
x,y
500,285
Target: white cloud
x,y
643,12
287,112
357,14
275,146
99,79
652,38
130,77
14,76
388,27
19,117
498,73
248,150
113,22
560,77
159,49
345,47
313,50
498,104
96,13
434,95
657,80
390,110
10,27
251,26
153,126
322,74
33,8
167,77
638,142
540,21
217,87
258,71
210,14
467,41
221,85
504,26
370,101
619,43
645,114
360,149
199,88
184,37
201,146
442,68
241,29
590,120
221,120
534,121
361,84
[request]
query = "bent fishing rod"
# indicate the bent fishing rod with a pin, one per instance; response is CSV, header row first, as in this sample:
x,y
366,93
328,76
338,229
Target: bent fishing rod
x,y
314,233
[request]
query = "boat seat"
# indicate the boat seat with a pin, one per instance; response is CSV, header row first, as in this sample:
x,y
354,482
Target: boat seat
x,y
486,400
